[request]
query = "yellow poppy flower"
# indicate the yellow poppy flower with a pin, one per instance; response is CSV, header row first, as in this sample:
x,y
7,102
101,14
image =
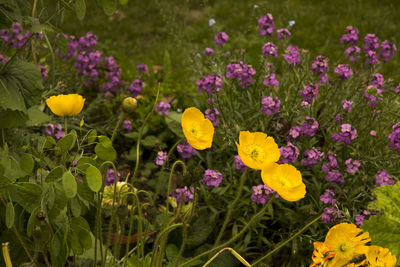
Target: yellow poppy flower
x,y
346,242
66,105
322,255
380,257
198,130
285,179
257,150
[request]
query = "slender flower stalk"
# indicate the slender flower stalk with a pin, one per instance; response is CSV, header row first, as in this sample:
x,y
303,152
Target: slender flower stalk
x,y
234,253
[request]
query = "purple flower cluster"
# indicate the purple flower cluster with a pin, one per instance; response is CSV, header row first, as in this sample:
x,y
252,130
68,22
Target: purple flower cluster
x,y
394,137
127,125
208,51
327,197
351,36
241,72
312,156
16,36
184,194
353,53
136,87
294,132
55,130
330,214
371,42
161,157
320,66
44,72
383,178
270,80
270,105
210,84
360,218
185,150
397,89
309,93
212,114
221,38
282,34
86,64
239,165
344,71
162,108
289,154
3,60
372,95
347,134
334,177
142,68
352,165
309,126
110,179
292,56
331,164
347,105
113,74
371,57
266,25
270,49
377,80
212,178
261,193
387,50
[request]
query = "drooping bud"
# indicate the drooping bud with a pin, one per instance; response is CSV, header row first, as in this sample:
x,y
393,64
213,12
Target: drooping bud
x,y
129,104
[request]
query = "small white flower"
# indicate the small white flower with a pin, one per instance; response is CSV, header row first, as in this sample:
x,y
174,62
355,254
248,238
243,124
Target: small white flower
x,y
255,6
291,23
211,22
179,110
198,55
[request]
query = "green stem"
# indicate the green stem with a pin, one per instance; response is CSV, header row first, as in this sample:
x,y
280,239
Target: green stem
x,y
231,206
66,125
141,134
170,178
120,119
234,238
160,235
234,253
53,73
3,141
24,245
140,246
286,241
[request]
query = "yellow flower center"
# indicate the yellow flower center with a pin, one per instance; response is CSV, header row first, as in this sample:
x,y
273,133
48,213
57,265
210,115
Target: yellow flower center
x,y
256,153
195,130
344,250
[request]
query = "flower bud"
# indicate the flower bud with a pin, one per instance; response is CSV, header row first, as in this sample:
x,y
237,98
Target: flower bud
x,y
129,104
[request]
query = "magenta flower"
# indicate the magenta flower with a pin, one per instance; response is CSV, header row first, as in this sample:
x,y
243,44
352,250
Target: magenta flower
x,y
270,80
292,56
270,105
347,134
352,165
209,84
309,93
241,72
239,165
208,51
221,38
212,178
161,157
261,194
270,49
394,137
353,53
266,25
289,153
344,71
282,34
183,195
327,197
351,36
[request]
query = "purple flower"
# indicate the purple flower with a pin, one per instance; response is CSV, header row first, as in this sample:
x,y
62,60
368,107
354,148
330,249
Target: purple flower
x,y
397,89
387,50
87,64
212,114
239,165
266,25
136,87
270,49
347,134
16,36
185,150
221,38
294,132
3,60
293,55
331,164
327,197
371,57
110,179
338,118
270,80
352,165
377,80
351,36
87,42
394,137
309,93
353,53
261,193
161,157
208,51
112,75
359,218
55,130
289,154
309,126
162,108
334,178
212,178
320,65
241,72
142,68
184,194
282,34
127,125
371,42
270,105
344,71
312,156
330,215
210,84
43,71
347,105
383,178
372,133
372,95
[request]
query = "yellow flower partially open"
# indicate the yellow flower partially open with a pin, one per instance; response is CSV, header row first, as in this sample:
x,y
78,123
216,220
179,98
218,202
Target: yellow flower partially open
x,y
257,150
66,105
321,255
198,130
285,179
378,256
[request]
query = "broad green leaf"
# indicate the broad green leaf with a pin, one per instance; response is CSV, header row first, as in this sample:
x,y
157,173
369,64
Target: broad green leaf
x,y
173,121
84,162
67,142
109,6
69,184
150,141
80,9
54,174
31,222
75,206
49,142
172,252
80,237
106,153
105,141
94,178
27,163
36,117
92,136
28,195
10,215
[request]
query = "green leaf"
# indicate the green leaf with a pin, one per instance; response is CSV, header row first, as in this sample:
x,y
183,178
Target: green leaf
x,y
69,184
27,163
31,222
80,238
80,9
200,229
75,207
92,136
94,178
384,228
54,174
109,6
11,118
67,142
172,252
123,2
84,163
150,141
104,149
173,121
10,215
62,44
36,117
28,195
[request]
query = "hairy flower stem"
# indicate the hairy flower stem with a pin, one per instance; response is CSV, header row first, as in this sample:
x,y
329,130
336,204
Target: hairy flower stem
x,y
234,253
279,246
170,179
157,245
66,125
53,73
141,134
33,41
120,119
234,238
231,206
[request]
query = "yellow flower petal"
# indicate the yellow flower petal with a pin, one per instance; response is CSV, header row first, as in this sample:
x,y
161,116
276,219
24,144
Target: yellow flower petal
x,y
198,130
66,105
378,256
